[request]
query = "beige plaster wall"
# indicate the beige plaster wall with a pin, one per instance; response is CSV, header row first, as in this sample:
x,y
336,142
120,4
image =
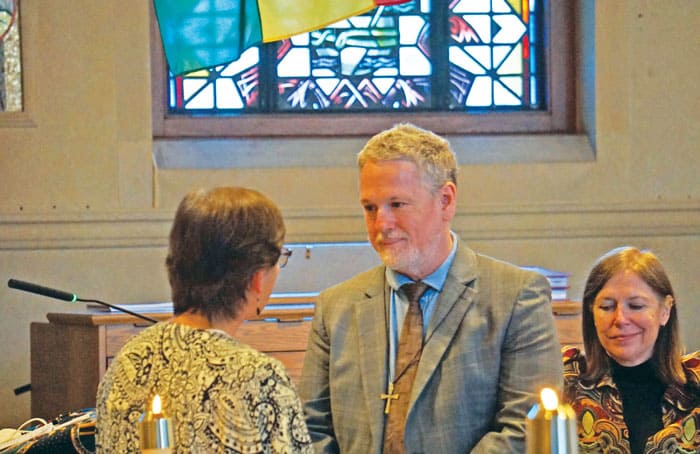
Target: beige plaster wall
x,y
82,207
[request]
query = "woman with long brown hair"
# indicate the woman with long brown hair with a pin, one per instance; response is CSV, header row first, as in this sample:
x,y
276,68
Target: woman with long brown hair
x,y
633,391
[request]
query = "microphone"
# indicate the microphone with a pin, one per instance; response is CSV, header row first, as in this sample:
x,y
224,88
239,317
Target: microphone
x,y
70,297
41,290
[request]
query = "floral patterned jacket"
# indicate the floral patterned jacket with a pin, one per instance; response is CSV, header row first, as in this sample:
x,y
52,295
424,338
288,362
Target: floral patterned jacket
x,y
598,407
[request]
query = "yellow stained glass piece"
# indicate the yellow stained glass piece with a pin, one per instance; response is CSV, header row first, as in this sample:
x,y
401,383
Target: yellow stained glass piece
x,y
515,4
281,19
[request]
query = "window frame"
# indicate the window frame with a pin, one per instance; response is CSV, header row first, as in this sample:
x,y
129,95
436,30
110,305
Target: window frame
x,y
559,117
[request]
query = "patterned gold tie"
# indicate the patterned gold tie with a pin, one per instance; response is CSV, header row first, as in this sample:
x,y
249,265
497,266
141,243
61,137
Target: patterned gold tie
x,y
407,357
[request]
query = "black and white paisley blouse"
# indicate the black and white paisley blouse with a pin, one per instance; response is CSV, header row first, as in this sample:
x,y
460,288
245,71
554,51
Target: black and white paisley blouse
x,y
221,395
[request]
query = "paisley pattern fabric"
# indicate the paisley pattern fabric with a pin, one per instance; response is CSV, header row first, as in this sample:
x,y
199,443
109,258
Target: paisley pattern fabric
x,y
221,395
598,407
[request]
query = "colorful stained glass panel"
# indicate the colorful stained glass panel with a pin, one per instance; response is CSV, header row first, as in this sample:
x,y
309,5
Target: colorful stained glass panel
x,y
492,57
376,61
225,88
384,60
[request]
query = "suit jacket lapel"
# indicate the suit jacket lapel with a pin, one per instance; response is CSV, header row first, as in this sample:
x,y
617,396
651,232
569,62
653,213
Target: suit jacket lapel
x,y
452,305
372,322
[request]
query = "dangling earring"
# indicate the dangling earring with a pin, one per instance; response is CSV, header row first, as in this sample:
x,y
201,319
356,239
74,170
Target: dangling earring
x,y
257,309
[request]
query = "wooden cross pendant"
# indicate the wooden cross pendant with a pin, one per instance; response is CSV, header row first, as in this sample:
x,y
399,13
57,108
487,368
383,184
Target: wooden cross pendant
x,y
389,396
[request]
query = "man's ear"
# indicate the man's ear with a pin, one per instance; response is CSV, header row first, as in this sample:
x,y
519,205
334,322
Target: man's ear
x,y
448,198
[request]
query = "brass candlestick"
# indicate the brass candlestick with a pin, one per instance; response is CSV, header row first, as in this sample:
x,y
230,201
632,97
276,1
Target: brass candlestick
x,y
551,426
156,430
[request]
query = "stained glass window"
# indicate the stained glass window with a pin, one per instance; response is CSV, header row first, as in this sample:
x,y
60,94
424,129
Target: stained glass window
x,y
10,61
423,56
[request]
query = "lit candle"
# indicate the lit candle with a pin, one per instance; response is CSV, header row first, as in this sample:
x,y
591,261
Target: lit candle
x,y
551,426
156,432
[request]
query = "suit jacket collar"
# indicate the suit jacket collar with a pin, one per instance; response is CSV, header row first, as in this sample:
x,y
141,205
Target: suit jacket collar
x,y
454,301
462,272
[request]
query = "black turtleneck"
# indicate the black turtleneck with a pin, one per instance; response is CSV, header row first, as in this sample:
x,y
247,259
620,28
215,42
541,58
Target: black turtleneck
x,y
641,392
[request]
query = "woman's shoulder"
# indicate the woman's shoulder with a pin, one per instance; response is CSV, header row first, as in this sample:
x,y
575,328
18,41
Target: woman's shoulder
x,y
691,365
691,360
571,355
143,342
574,362
208,346
239,354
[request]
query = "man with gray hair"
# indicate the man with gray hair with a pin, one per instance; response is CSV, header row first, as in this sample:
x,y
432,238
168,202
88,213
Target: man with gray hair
x,y
440,349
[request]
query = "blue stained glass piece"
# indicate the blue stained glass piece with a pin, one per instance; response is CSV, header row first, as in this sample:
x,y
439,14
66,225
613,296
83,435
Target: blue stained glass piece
x,y
171,90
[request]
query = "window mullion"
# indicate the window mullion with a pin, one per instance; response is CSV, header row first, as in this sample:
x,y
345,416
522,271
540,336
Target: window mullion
x,y
268,78
439,50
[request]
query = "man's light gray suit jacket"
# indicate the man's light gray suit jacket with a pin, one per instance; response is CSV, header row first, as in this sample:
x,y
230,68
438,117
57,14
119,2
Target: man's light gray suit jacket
x,y
490,346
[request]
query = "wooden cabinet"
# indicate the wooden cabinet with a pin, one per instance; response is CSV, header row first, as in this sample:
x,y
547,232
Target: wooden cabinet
x,y
70,354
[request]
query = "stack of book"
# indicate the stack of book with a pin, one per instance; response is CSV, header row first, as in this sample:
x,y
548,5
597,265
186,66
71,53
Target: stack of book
x,y
558,280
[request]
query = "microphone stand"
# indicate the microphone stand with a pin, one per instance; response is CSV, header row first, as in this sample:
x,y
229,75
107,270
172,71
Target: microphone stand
x,y
64,296
70,297
120,309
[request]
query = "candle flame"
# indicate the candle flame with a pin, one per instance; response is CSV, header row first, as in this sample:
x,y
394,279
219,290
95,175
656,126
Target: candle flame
x,y
156,405
549,398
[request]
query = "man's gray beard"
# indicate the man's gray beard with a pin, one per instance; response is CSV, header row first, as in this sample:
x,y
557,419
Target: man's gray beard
x,y
405,263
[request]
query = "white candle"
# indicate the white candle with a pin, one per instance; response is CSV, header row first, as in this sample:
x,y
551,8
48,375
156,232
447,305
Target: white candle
x,y
155,430
551,426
